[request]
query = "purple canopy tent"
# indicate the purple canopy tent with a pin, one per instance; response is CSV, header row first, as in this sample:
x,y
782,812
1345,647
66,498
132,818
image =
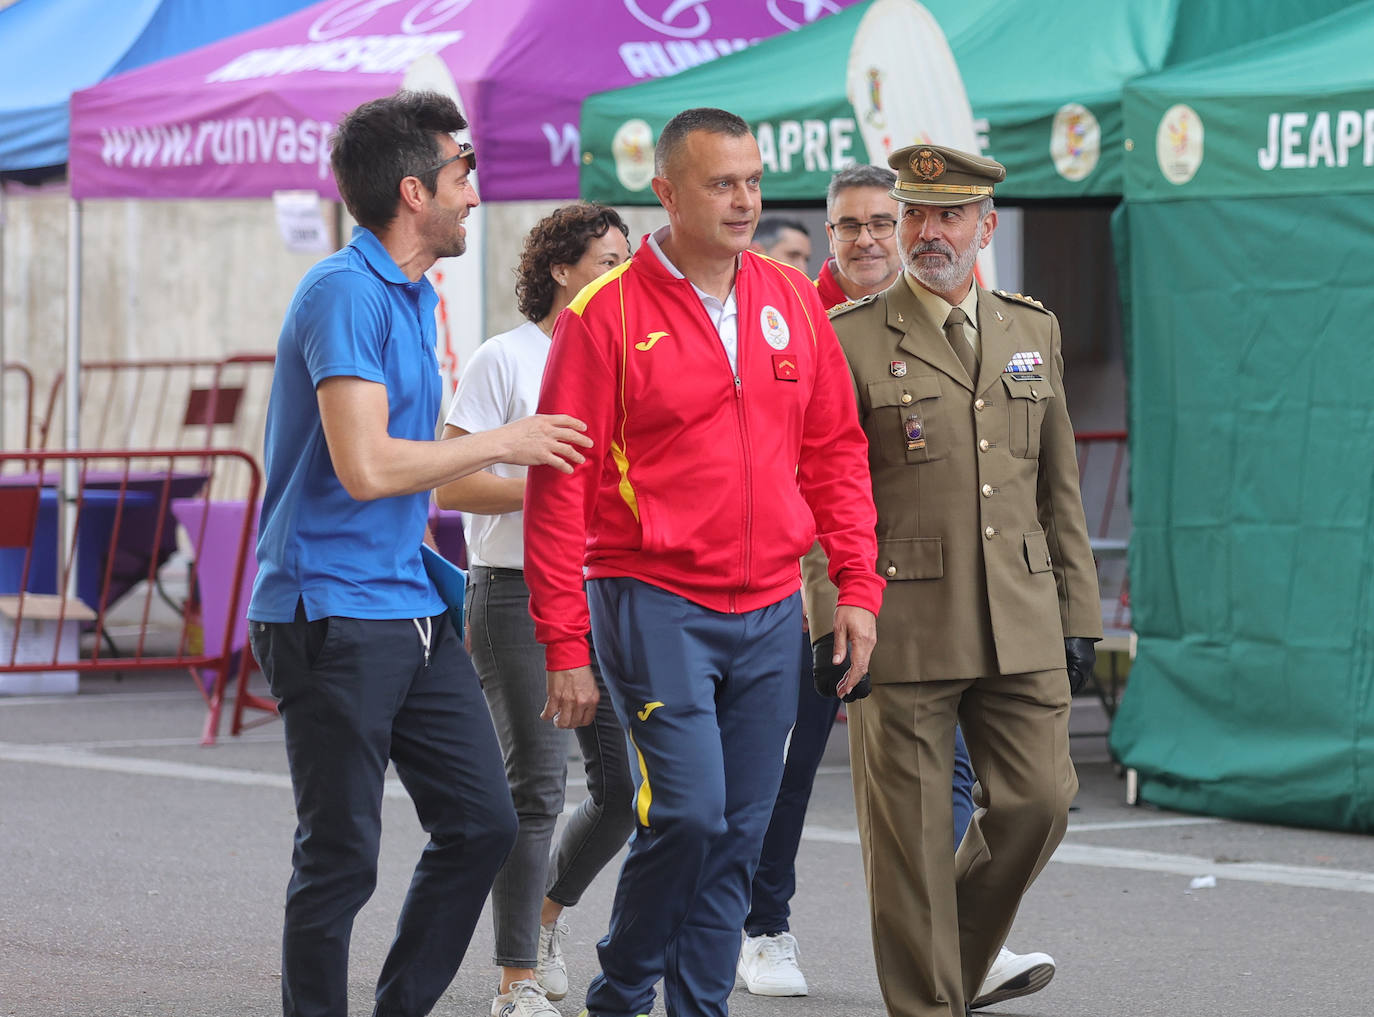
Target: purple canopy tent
x,y
251,114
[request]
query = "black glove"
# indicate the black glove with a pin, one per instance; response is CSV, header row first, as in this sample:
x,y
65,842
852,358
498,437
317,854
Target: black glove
x,y
1079,656
827,676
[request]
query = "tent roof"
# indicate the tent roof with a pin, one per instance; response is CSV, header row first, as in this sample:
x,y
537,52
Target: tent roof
x,y
1292,114
252,114
54,47
1045,77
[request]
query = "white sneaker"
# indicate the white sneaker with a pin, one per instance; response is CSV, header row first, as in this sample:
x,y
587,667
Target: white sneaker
x,y
551,970
526,998
1012,975
768,965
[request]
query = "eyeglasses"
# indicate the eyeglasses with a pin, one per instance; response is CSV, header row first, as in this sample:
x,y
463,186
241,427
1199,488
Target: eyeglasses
x,y
878,229
464,152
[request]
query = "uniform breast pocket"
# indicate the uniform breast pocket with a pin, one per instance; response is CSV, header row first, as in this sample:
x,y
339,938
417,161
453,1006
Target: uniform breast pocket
x,y
903,422
1027,401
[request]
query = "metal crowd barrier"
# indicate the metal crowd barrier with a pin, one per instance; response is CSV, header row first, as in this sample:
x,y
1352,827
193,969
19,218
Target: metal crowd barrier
x,y
17,421
81,584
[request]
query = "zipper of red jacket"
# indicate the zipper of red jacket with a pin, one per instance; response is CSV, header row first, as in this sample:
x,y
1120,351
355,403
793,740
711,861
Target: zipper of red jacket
x,y
736,372
747,520
746,555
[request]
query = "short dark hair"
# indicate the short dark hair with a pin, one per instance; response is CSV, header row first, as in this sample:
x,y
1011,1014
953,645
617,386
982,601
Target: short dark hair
x,y
862,175
703,118
382,142
770,228
560,238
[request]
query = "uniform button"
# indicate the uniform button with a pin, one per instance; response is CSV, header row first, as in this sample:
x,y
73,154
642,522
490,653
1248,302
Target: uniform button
x,y
906,398
989,532
979,404
1035,394
1048,562
892,570
987,490
983,445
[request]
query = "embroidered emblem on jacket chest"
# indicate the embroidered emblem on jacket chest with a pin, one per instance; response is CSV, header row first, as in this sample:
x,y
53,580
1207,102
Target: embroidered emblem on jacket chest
x,y
774,326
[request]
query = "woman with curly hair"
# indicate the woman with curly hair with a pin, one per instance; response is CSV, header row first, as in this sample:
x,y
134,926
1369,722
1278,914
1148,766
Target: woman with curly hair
x,y
564,252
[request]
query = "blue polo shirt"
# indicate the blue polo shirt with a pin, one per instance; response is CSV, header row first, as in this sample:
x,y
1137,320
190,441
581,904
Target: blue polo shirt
x,y
354,314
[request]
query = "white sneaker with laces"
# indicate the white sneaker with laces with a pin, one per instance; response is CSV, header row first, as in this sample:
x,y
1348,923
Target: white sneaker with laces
x,y
1012,975
768,965
551,970
526,998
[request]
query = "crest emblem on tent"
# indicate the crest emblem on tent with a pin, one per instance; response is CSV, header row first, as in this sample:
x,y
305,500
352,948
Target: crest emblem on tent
x,y
875,96
927,165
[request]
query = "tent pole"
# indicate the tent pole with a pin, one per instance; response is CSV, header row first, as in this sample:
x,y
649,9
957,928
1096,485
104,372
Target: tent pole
x,y
482,331
71,390
2,316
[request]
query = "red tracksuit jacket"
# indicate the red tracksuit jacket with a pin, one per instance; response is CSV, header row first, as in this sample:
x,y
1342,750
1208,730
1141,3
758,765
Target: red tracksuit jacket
x,y
703,481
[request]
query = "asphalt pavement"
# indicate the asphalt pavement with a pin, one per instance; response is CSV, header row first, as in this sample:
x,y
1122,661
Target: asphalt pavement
x,y
143,874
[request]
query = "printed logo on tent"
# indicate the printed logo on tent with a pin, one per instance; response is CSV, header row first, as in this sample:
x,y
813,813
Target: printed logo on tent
x,y
809,10
874,115
1075,141
1178,143
689,19
348,15
632,148
681,19
344,40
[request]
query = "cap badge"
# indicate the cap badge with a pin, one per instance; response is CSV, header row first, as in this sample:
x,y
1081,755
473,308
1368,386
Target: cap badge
x,y
927,164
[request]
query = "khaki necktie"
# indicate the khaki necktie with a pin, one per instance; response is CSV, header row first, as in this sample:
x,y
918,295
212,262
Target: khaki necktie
x,y
963,349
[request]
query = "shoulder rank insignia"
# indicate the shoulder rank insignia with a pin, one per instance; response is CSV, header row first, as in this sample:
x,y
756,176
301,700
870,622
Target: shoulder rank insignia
x,y
849,305
1021,298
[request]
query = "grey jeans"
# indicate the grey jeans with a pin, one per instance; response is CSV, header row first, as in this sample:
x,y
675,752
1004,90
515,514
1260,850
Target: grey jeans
x,y
510,664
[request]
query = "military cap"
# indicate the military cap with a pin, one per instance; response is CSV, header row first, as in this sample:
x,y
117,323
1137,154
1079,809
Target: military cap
x,y
935,175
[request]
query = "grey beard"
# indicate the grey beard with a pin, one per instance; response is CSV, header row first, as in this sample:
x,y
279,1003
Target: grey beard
x,y
943,278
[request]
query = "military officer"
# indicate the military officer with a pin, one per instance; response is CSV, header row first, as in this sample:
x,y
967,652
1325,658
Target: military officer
x,y
991,607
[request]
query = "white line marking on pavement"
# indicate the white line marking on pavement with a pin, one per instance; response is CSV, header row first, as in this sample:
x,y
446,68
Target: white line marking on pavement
x,y
165,743
1192,865
830,835
1067,854
99,697
83,760
1179,865
1143,824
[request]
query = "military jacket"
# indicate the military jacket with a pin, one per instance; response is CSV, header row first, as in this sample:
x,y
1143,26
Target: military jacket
x,y
981,533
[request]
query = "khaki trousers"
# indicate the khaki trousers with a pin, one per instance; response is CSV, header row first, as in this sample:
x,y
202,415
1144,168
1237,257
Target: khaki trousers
x,y
938,919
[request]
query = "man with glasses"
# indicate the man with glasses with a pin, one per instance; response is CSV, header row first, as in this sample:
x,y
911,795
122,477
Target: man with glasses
x,y
352,636
861,221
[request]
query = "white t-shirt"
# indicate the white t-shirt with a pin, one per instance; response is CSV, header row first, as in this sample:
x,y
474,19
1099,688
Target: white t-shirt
x,y
500,384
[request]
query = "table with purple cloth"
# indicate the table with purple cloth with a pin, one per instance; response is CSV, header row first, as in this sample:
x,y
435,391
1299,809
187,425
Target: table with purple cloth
x,y
216,552
118,521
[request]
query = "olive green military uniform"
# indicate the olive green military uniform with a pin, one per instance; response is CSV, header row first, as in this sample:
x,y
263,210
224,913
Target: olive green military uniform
x,y
983,542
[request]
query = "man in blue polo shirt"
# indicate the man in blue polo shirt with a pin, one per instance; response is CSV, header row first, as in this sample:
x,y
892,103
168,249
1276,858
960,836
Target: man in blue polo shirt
x,y
349,630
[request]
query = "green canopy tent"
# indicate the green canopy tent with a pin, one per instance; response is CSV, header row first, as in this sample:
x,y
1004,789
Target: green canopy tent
x,y
1045,78
1248,235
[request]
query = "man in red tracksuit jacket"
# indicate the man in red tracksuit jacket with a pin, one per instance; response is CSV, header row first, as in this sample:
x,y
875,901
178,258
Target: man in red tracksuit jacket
x,y
725,441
